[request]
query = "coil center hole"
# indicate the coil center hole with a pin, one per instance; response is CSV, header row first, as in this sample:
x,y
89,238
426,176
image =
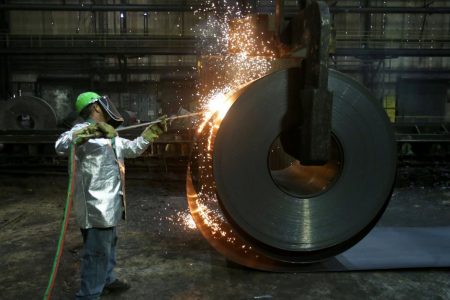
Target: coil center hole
x,y
303,181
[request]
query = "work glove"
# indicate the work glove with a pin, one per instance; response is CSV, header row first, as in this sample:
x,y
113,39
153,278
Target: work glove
x,y
108,131
83,135
153,131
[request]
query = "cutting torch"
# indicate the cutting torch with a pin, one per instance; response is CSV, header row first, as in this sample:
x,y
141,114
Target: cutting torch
x,y
172,118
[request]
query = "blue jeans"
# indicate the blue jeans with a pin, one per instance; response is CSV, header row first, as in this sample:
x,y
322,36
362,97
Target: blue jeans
x,y
98,261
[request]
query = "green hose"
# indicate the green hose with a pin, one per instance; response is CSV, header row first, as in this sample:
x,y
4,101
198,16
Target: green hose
x,y
64,224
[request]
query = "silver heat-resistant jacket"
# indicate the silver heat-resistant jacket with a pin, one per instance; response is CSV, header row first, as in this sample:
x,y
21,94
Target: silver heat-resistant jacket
x,y
99,195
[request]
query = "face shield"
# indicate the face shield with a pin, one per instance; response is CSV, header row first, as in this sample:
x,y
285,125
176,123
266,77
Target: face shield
x,y
115,119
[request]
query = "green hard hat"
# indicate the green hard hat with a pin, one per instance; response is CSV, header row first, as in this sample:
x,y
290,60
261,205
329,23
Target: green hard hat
x,y
84,99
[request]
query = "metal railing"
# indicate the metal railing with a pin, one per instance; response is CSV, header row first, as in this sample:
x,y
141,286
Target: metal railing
x,y
93,41
391,39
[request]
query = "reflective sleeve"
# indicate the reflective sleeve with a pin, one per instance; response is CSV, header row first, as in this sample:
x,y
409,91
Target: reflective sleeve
x,y
134,148
62,144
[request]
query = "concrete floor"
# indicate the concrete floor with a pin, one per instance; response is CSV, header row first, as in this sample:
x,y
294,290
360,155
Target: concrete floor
x,y
163,260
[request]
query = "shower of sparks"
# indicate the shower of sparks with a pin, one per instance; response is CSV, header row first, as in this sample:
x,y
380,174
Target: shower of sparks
x,y
176,216
234,51
184,218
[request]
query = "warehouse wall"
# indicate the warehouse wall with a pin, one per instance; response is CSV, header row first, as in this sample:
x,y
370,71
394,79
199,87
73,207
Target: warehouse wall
x,y
168,24
412,31
154,87
380,75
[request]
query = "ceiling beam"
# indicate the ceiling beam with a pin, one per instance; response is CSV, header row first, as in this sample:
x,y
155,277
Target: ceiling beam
x,y
97,7
266,9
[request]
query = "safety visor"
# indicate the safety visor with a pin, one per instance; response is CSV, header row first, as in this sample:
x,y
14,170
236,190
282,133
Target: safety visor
x,y
115,118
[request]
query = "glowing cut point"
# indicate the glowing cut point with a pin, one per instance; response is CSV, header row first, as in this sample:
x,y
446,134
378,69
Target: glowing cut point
x,y
219,104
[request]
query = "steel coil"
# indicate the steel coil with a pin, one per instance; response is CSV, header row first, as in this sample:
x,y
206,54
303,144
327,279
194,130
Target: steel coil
x,y
260,207
27,112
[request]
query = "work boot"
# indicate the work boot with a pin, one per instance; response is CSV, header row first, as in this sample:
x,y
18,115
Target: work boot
x,y
116,287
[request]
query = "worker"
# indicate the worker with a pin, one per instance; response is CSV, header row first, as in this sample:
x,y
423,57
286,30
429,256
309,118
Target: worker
x,y
99,195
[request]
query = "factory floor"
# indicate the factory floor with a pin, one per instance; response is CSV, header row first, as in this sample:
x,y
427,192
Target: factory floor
x,y
163,259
